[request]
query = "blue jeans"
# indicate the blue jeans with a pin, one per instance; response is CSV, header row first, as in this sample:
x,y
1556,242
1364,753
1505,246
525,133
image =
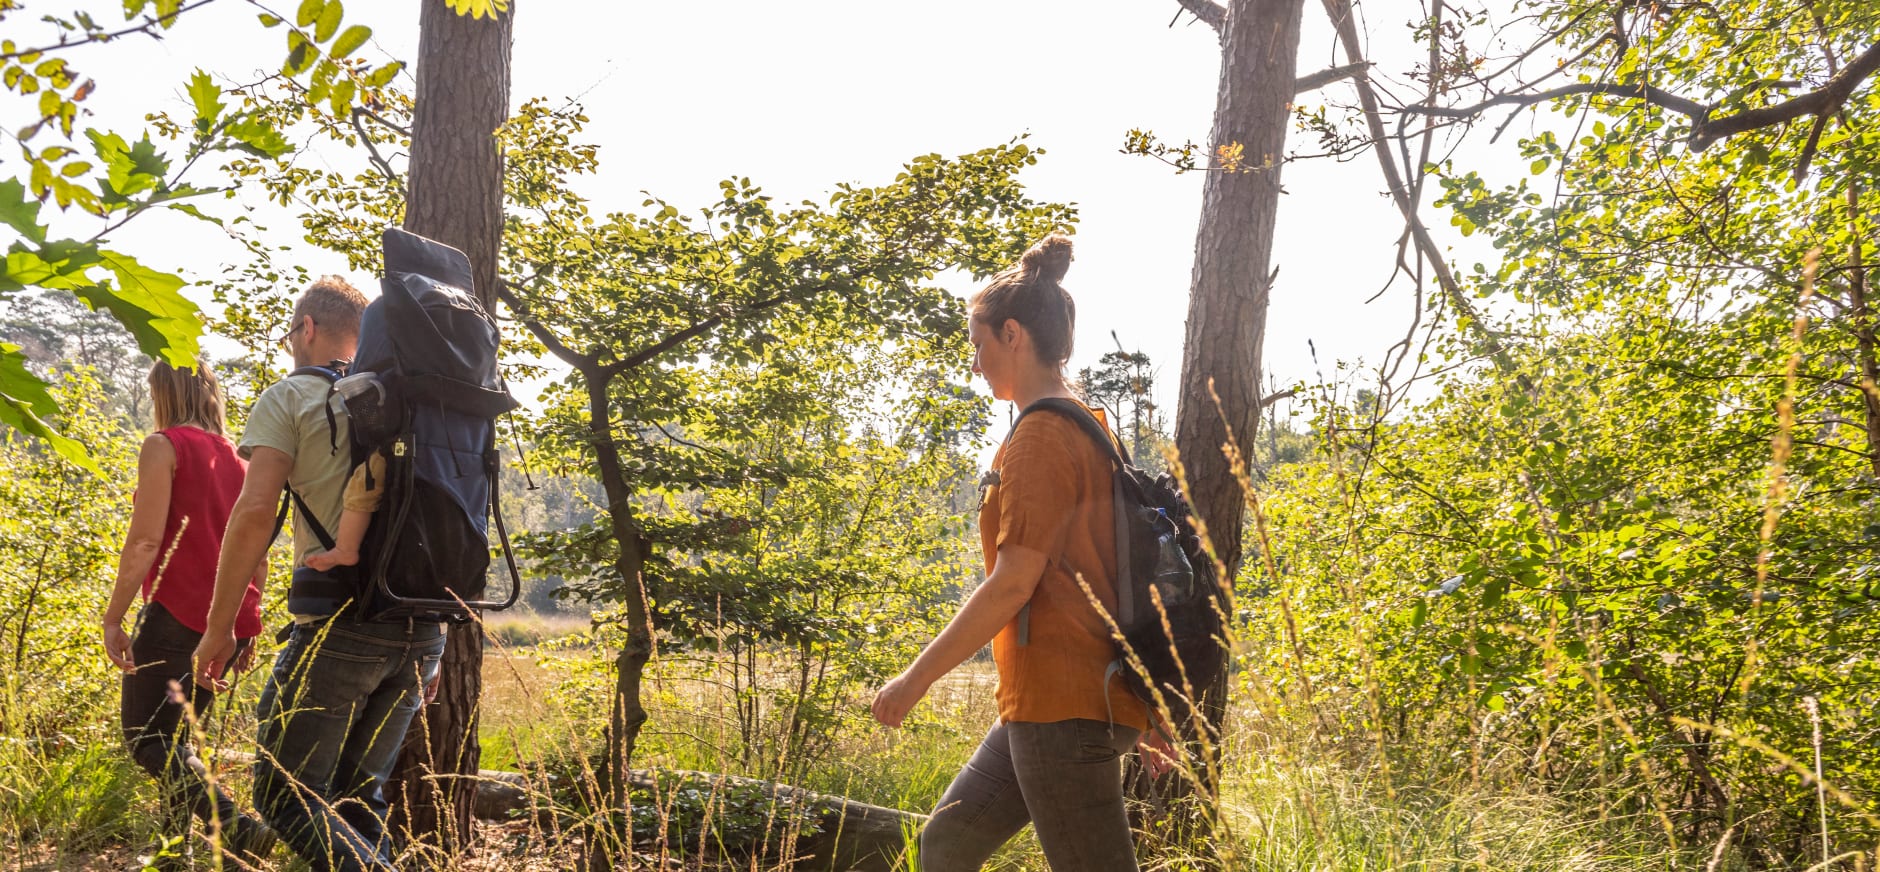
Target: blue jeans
x,y
332,718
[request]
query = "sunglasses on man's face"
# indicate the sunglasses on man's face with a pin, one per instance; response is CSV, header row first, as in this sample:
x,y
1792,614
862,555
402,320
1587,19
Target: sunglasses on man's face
x,y
284,337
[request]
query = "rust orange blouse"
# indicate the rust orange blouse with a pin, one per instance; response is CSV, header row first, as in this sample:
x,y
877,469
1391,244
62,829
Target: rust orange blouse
x,y
1051,493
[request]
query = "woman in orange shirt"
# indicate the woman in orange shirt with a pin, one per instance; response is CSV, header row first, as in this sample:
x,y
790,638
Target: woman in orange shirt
x,y
1064,719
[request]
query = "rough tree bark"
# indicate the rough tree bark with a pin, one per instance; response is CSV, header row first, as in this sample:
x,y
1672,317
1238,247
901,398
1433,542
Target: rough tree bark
x,y
1230,284
1221,351
455,197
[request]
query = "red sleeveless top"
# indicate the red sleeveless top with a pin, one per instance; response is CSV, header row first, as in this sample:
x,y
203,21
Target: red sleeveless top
x,y
208,478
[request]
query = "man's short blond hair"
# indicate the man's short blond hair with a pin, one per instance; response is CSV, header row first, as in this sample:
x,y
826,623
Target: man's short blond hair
x,y
334,304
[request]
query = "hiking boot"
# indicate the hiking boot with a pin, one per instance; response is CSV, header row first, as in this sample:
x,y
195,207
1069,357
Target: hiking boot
x,y
250,840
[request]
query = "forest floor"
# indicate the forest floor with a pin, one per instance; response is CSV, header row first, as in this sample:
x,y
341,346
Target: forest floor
x,y
1280,812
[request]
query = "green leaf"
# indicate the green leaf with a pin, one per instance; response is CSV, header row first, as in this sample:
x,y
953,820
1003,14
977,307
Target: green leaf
x,y
137,168
191,210
151,306
207,97
20,212
383,76
340,98
25,404
60,265
269,20
300,54
259,138
19,383
1540,166
350,41
309,12
1493,591
329,21
46,269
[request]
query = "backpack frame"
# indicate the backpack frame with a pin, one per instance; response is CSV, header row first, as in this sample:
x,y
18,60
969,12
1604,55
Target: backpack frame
x,y
427,353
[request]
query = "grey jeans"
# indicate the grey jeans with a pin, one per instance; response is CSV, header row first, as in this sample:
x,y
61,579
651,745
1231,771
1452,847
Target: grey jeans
x,y
1063,778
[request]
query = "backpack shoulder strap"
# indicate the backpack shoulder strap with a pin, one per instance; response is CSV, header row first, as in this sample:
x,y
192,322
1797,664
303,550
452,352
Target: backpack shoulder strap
x,y
1081,416
1119,459
332,375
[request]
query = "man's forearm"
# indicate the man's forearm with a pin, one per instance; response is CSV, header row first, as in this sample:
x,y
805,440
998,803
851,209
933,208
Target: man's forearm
x,y
244,547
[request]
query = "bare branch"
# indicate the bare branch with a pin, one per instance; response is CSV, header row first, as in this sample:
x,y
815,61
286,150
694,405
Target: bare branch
x,y
1275,397
704,326
146,27
1648,93
1209,12
1705,130
383,121
584,364
1827,99
697,329
1342,19
1808,150
1329,75
372,149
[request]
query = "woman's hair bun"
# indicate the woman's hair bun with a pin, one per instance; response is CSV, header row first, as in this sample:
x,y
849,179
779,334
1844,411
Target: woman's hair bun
x,y
1050,259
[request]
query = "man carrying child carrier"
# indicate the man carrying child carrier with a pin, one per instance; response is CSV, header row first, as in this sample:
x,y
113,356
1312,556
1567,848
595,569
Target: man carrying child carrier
x,y
336,707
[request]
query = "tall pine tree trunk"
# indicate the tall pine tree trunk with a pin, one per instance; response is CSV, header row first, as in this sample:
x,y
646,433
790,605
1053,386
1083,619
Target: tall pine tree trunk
x,y
455,197
1221,352
1229,287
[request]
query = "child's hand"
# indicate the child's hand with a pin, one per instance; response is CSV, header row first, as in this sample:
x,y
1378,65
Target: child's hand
x,y
325,560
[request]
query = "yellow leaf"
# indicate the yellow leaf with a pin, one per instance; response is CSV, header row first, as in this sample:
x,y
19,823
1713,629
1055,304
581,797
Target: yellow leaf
x,y
478,8
1230,155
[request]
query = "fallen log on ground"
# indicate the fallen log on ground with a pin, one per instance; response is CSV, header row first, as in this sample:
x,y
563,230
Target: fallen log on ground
x,y
849,836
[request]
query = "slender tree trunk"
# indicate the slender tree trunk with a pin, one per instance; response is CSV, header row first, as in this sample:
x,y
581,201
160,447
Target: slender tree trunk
x,y
628,714
1221,352
1233,250
456,197
1867,349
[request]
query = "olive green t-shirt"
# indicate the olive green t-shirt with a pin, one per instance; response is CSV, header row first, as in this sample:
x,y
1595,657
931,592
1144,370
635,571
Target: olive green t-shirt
x,y
291,417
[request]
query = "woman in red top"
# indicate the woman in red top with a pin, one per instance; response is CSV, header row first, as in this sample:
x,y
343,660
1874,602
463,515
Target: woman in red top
x,y
188,476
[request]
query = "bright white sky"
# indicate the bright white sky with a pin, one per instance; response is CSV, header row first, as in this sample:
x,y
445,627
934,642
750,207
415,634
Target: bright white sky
x,y
799,96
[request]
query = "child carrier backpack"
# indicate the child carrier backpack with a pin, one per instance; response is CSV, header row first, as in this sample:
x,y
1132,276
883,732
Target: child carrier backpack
x,y
423,392
1157,550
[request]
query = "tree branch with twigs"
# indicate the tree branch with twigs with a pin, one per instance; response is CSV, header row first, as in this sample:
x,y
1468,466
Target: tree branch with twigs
x,y
1706,127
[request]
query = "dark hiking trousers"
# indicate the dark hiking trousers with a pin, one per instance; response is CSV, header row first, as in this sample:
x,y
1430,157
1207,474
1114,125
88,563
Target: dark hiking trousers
x,y
1063,778
332,718
155,727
